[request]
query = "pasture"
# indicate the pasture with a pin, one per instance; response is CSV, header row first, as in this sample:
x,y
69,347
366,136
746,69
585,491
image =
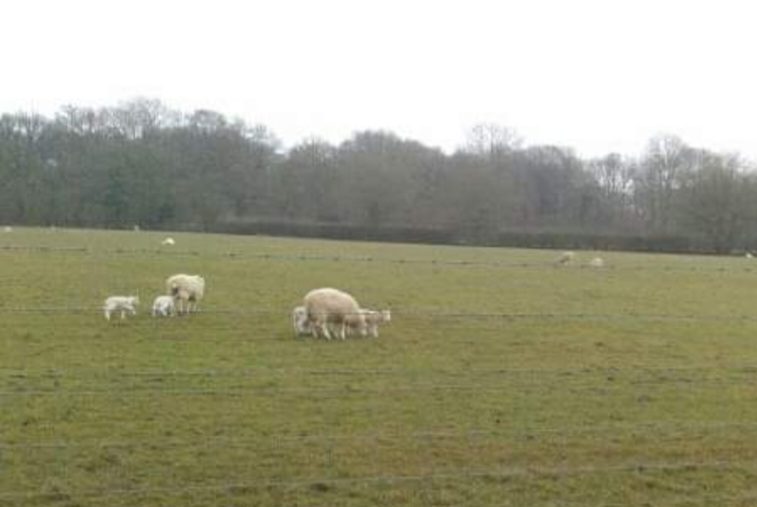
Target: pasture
x,y
502,380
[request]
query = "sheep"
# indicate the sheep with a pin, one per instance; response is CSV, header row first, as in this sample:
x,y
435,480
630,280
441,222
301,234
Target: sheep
x,y
300,322
163,306
120,303
596,262
565,258
331,306
373,318
7,228
168,241
186,290
749,255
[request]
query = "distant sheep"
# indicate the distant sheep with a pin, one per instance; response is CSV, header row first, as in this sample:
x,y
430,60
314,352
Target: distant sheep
x,y
332,306
123,304
566,258
300,322
163,306
7,228
597,262
186,290
749,255
374,318
168,241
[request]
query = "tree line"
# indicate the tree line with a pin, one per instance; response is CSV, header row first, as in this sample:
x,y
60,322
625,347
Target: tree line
x,y
141,163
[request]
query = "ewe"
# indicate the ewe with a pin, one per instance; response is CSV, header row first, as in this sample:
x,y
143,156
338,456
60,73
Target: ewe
x,y
120,303
186,290
331,306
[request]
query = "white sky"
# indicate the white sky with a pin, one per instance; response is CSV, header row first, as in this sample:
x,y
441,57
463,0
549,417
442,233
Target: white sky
x,y
598,76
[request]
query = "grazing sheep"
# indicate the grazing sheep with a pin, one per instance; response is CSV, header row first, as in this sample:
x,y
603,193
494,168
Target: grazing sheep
x,y
7,228
331,306
749,255
300,322
120,303
186,290
565,258
374,318
596,262
163,306
168,241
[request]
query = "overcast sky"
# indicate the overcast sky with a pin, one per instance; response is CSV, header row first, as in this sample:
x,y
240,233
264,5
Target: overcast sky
x,y
599,76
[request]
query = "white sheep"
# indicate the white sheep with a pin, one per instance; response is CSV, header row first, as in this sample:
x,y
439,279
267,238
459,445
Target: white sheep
x,y
120,303
7,228
300,322
332,306
186,290
374,318
596,262
168,241
749,255
565,258
163,306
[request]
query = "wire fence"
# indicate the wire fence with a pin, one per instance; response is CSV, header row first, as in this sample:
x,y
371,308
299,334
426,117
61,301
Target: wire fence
x,y
61,394
279,440
411,312
747,265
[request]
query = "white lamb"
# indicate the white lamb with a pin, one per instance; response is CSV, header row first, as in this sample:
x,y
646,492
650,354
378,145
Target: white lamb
x,y
596,262
168,241
374,318
332,306
186,290
120,303
300,322
163,306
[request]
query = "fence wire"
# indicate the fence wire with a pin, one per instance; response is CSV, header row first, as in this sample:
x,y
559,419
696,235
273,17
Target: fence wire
x,y
276,441
380,260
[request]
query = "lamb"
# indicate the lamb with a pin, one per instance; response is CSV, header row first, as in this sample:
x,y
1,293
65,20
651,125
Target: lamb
x,y
373,318
163,306
331,306
186,290
120,303
168,241
300,321
596,262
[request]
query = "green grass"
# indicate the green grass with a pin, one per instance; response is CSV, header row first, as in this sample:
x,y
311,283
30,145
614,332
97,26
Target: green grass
x,y
501,380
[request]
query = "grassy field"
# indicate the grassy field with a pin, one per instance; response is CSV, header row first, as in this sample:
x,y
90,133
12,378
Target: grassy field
x,y
502,380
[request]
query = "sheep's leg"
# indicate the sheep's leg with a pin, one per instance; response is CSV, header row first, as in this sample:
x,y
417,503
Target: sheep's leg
x,y
107,314
123,314
325,329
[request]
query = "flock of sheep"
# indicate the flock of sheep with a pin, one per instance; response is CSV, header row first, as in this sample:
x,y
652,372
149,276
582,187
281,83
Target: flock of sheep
x,y
184,292
324,312
570,258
